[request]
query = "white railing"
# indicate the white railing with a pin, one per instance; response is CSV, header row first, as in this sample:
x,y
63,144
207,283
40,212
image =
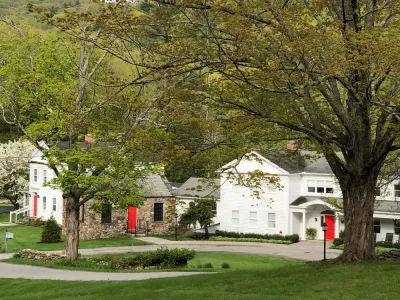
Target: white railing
x,y
17,212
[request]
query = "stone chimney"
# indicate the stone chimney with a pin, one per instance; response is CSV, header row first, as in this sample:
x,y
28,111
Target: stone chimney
x,y
89,139
291,145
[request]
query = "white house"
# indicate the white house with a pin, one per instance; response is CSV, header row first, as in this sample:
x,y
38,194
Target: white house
x,y
303,198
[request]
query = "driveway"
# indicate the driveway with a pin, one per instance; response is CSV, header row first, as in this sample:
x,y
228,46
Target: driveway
x,y
304,250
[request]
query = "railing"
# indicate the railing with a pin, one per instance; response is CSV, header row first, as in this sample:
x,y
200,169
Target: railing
x,y
17,212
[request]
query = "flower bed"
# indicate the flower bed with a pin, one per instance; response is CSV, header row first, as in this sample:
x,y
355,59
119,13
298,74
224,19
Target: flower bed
x,y
255,240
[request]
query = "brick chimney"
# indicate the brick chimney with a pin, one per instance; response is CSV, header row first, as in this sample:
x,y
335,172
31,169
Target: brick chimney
x,y
291,145
89,138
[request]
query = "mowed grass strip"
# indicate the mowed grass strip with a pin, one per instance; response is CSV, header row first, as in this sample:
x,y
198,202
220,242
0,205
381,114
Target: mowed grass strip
x,y
27,237
236,262
369,280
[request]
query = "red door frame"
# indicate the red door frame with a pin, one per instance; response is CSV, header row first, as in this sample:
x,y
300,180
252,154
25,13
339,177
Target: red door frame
x,y
132,214
330,222
35,197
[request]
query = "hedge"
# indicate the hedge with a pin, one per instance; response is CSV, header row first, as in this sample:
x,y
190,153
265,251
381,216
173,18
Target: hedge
x,y
227,239
294,238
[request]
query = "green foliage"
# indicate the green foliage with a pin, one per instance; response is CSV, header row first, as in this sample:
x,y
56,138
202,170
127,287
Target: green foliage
x,y
36,222
51,232
254,240
384,244
338,242
225,265
294,238
311,233
201,211
162,257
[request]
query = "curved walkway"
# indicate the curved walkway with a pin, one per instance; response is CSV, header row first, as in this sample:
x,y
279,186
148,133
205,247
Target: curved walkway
x,y
305,251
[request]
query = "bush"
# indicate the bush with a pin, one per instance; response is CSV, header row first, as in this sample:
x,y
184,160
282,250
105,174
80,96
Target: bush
x,y
338,242
311,233
254,240
384,244
341,234
162,257
205,266
36,222
225,265
294,238
51,232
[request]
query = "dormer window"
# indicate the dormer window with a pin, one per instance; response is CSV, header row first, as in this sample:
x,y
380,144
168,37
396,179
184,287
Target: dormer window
x,y
320,186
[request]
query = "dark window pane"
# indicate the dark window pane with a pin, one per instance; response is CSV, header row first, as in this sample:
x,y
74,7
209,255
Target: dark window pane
x,y
158,212
311,189
329,190
377,226
396,226
397,190
320,189
106,214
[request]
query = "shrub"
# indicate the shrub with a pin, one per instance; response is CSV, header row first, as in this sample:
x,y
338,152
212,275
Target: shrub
x,y
51,232
162,257
311,233
208,266
36,222
338,242
384,244
341,234
226,239
294,238
225,265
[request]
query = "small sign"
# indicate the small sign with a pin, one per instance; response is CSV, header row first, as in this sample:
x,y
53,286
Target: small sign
x,y
9,235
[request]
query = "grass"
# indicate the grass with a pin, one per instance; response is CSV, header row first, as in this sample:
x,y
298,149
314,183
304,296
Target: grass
x,y
5,204
4,217
29,236
248,281
378,250
237,262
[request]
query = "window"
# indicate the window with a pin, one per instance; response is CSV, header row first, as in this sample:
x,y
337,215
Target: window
x,y
271,188
106,214
311,186
396,226
397,190
35,175
235,217
320,186
54,204
158,212
44,175
377,226
44,203
253,219
271,220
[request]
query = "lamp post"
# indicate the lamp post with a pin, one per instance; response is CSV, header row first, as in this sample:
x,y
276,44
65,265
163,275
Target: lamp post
x,y
324,229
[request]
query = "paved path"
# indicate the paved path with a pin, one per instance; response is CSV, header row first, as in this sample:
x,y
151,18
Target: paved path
x,y
32,272
304,250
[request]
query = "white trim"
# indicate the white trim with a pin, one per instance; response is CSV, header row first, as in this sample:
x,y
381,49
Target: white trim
x,y
315,202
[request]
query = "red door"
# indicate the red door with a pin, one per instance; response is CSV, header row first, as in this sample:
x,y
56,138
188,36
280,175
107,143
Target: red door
x,y
131,218
35,205
330,222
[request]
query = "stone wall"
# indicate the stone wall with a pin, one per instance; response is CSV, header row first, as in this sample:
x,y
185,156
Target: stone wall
x,y
145,214
92,228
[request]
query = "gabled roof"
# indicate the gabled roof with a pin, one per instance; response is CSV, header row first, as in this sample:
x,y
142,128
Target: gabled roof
x,y
299,161
199,188
155,186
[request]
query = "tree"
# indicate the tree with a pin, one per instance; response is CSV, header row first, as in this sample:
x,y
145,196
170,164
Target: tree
x,y
59,90
199,211
14,170
325,70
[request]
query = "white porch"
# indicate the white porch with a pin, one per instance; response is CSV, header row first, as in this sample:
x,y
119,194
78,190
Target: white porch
x,y
309,215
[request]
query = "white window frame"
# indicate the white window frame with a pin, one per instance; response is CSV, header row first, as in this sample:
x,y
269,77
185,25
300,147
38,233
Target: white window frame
x,y
272,188
235,220
45,175
35,172
270,214
253,222
44,203
54,204
396,192
317,183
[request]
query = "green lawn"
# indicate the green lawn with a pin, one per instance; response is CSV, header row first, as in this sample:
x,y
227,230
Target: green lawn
x,y
236,262
29,236
4,217
246,281
171,237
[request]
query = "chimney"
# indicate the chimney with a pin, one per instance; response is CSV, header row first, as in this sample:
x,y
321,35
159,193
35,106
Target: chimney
x,y
291,145
89,139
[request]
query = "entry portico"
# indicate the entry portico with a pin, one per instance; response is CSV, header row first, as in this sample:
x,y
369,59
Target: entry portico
x,y
311,212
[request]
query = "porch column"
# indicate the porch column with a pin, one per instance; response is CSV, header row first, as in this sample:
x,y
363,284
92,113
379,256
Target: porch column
x,y
337,225
291,222
303,237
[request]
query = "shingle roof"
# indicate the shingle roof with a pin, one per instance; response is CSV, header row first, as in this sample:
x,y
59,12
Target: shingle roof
x,y
298,161
200,187
155,186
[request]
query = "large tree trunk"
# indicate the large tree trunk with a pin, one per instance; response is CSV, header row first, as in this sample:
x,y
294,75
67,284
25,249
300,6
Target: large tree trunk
x,y
358,204
72,228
